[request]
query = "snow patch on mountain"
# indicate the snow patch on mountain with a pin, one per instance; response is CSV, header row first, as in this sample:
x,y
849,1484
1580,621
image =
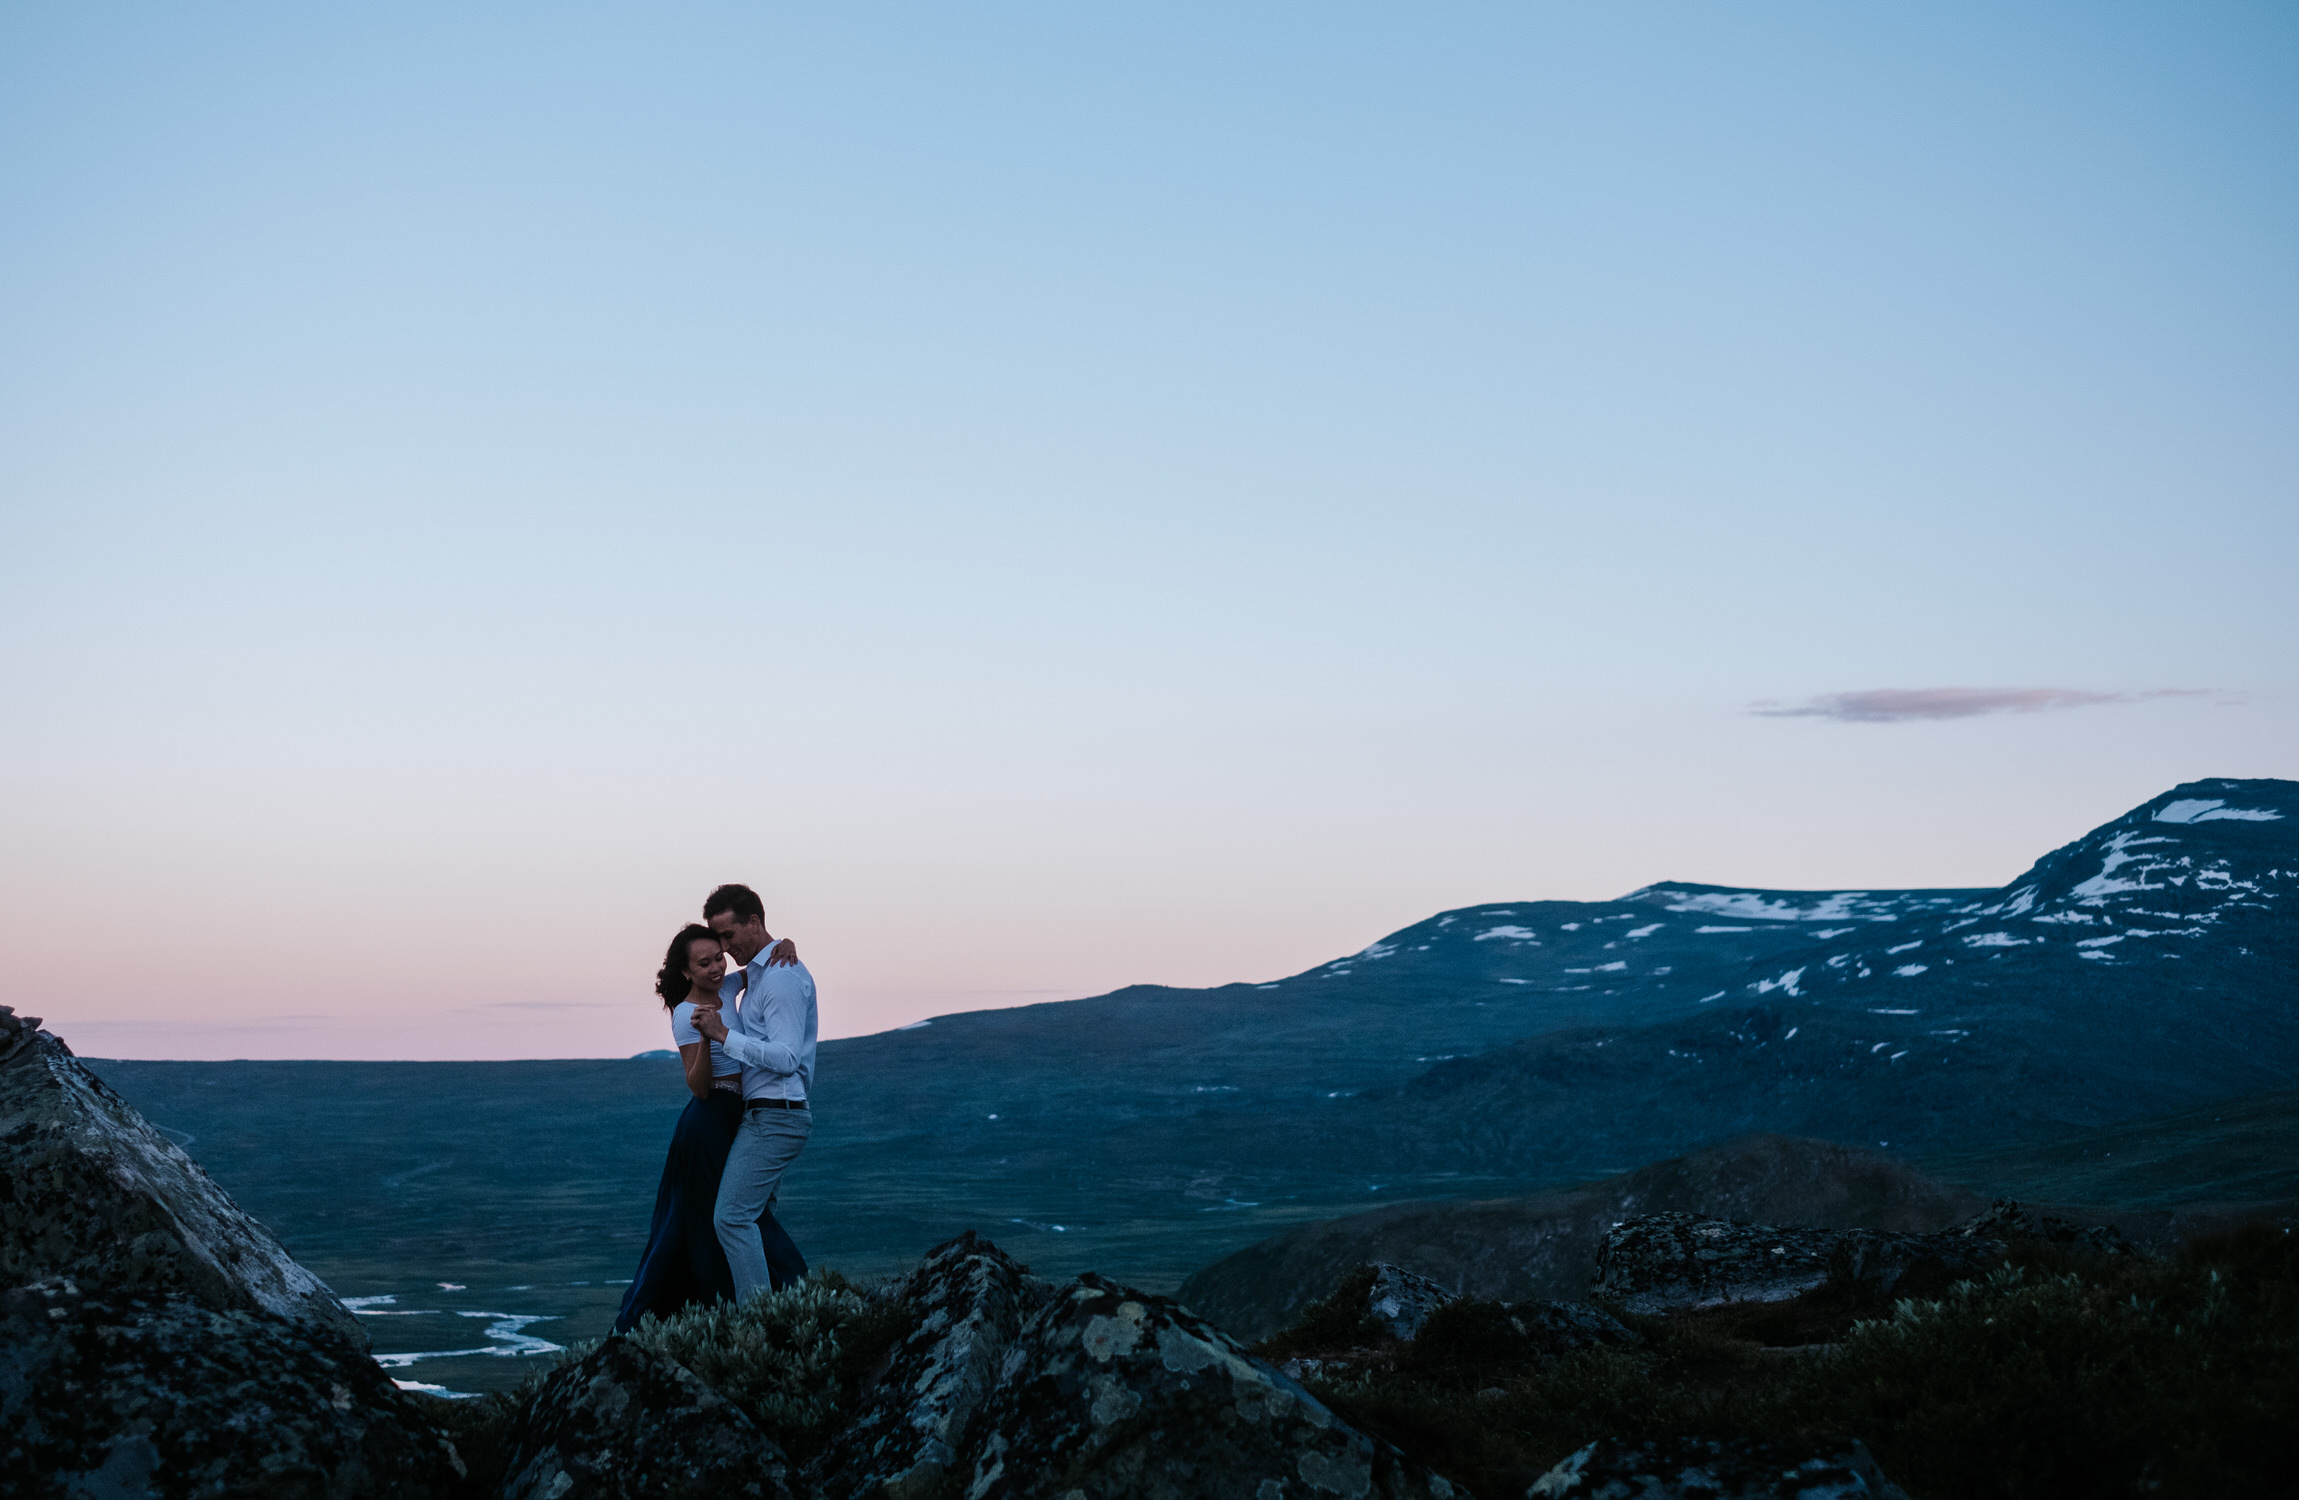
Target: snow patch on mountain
x,y
2205,809
1836,906
2107,883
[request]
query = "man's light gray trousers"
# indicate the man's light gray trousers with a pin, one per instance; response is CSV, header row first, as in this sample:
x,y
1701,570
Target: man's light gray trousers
x,y
768,1142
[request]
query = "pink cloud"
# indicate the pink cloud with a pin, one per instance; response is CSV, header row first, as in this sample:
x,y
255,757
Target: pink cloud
x,y
1891,705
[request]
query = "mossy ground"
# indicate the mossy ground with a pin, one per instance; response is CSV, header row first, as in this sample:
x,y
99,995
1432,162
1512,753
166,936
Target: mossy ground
x,y
2054,1376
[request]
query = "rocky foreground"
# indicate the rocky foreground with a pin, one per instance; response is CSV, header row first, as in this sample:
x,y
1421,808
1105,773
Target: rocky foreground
x,y
155,1341
160,1342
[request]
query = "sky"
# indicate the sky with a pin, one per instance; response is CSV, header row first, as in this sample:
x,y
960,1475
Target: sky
x,y
1065,496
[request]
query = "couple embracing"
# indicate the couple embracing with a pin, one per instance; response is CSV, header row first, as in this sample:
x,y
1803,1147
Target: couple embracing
x,y
745,1034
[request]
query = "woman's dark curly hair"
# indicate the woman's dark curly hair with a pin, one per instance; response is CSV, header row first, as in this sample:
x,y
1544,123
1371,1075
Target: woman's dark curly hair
x,y
671,978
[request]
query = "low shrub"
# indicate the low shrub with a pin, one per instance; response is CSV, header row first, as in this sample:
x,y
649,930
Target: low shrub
x,y
2119,1377
1465,1340
793,1360
2060,1374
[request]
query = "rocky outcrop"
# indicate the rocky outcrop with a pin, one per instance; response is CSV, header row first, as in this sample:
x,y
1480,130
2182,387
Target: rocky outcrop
x,y
967,1302
94,1194
2007,1220
112,1396
1401,1301
1693,1469
624,1421
1109,1392
1463,1335
154,1340
1663,1262
16,1032
1659,1262
1655,1262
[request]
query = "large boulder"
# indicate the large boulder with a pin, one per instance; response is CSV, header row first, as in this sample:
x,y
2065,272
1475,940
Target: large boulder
x,y
166,1397
92,1192
154,1339
966,1303
1699,1469
1108,1392
1401,1301
624,1421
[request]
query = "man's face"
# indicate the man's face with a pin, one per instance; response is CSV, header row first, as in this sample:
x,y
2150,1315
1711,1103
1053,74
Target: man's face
x,y
743,939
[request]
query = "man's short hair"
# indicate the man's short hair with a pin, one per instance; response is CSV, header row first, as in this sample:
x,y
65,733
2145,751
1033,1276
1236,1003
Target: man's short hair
x,y
739,900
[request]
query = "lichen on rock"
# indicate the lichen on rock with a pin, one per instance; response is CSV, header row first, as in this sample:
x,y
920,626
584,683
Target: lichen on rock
x,y
1401,1300
134,1397
154,1339
1110,1392
625,1421
94,1193
965,1304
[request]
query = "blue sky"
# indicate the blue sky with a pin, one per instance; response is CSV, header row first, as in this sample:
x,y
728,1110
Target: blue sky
x,y
1061,496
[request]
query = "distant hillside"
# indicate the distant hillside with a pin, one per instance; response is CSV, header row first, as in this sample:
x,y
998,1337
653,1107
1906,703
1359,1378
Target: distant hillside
x,y
2228,1157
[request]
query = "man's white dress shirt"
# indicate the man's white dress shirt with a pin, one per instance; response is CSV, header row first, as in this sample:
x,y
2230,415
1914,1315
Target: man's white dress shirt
x,y
771,1031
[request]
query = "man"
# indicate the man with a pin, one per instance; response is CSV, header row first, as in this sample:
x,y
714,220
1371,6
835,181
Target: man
x,y
773,1038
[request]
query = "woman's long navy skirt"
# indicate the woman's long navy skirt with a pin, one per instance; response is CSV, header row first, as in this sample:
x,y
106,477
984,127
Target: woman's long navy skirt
x,y
683,1263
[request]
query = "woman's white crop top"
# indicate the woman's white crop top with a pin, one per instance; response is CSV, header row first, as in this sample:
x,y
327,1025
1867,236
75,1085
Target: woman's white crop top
x,y
684,1034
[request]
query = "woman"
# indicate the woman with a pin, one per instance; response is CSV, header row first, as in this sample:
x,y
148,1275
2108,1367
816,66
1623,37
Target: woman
x,y
683,1263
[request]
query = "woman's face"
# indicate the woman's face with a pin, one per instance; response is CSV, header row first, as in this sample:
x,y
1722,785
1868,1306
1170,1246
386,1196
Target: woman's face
x,y
706,966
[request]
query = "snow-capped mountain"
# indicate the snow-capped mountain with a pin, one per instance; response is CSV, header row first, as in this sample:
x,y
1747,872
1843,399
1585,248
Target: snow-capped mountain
x,y
2155,882
2151,965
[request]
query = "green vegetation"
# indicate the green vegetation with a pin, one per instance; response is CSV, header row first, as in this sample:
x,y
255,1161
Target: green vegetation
x,y
792,1360
2053,1376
